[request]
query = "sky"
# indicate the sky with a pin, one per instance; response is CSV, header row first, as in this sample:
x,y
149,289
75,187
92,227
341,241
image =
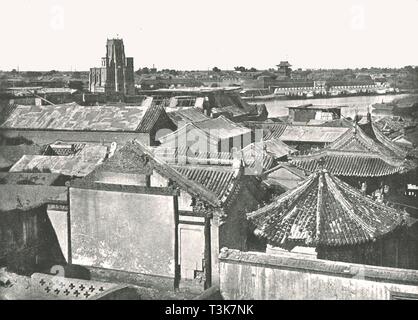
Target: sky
x,y
200,34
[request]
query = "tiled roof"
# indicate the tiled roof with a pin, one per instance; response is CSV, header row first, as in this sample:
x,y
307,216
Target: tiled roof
x,y
234,111
324,211
312,134
354,154
265,153
257,158
222,127
219,180
134,157
150,118
297,133
187,135
354,164
75,117
78,165
384,143
185,155
249,157
187,115
284,175
271,130
274,147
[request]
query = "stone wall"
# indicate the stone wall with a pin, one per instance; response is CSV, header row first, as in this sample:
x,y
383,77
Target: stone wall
x,y
251,275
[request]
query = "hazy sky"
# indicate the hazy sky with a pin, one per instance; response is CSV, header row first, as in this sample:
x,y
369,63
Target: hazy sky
x,y
201,34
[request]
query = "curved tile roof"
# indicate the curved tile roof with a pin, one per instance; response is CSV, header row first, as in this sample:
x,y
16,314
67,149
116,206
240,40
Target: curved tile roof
x,y
354,154
324,211
340,164
220,181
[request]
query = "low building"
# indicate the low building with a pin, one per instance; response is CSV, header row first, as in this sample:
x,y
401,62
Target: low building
x,y
28,241
299,137
212,135
73,122
308,112
135,202
265,154
187,115
362,156
214,102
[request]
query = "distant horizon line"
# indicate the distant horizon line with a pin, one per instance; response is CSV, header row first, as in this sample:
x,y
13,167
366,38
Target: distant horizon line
x,y
210,69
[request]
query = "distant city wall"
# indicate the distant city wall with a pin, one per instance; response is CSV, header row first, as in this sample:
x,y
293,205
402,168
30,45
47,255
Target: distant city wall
x,y
259,276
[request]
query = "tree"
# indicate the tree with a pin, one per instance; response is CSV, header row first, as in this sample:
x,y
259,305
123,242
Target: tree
x,y
240,69
216,69
144,70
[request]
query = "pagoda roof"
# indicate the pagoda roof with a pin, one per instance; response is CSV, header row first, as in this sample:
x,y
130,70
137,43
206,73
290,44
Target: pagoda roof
x,y
324,211
356,153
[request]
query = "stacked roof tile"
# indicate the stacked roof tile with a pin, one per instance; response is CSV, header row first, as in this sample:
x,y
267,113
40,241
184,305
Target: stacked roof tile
x,y
355,154
324,211
219,180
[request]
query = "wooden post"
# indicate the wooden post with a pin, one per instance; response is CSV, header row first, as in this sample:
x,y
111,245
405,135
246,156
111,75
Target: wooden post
x,y
208,252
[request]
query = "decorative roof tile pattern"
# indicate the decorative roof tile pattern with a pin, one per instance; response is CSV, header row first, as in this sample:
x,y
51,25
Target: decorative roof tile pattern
x,y
219,180
340,164
324,211
386,145
75,117
353,154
